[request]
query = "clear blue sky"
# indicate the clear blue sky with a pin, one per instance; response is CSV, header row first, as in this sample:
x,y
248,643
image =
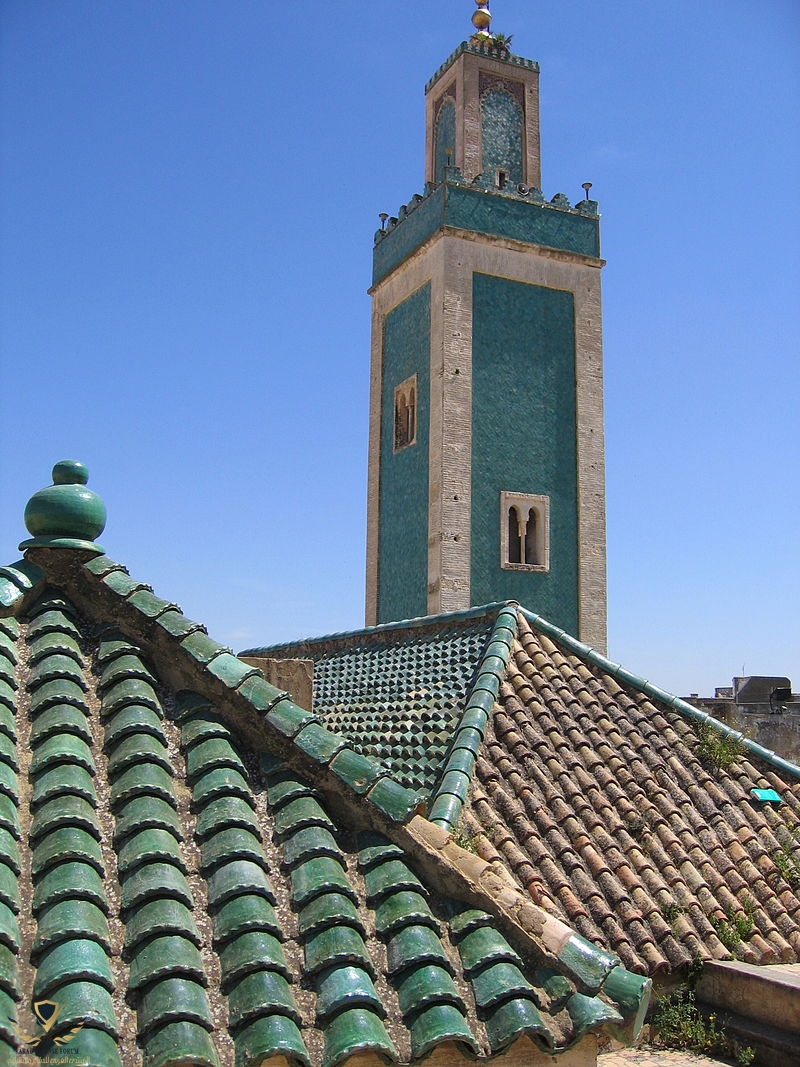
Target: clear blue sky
x,y
189,193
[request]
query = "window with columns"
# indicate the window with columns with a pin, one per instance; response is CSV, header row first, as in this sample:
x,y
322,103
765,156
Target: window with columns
x,y
405,413
524,532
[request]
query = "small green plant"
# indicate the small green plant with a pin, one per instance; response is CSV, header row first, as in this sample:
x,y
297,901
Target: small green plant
x,y
464,839
717,752
502,42
677,1023
735,927
787,858
671,910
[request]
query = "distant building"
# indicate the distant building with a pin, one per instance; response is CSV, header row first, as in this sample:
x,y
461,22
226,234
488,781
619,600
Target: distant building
x,y
761,706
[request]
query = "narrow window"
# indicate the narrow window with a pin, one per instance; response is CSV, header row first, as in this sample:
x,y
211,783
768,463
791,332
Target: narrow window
x,y
531,554
514,539
501,179
405,414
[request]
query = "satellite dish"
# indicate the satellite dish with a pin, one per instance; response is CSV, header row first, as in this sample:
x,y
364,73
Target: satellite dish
x,y
523,190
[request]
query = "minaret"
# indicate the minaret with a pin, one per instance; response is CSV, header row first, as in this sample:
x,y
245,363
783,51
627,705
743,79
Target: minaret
x,y
486,469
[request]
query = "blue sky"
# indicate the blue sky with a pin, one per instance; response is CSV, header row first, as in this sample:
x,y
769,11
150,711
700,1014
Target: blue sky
x,y
189,192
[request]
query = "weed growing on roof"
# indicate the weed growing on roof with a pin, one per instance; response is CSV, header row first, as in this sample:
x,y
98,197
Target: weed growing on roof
x,y
677,1023
717,752
671,910
787,858
464,839
735,928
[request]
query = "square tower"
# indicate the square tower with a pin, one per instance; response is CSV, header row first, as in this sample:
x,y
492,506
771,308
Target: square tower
x,y
486,461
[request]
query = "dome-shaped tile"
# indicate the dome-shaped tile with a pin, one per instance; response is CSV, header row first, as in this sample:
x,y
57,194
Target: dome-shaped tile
x,y
342,988
137,749
509,1021
132,719
64,811
66,844
415,946
160,917
245,913
164,957
63,779
152,881
226,812
70,880
142,780
356,1031
146,813
437,1025
68,920
336,946
251,952
149,846
258,994
232,844
172,1000
330,909
64,748
265,1038
60,719
178,1044
76,960
236,878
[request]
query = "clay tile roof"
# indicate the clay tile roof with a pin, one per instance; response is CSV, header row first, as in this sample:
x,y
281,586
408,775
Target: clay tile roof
x,y
196,870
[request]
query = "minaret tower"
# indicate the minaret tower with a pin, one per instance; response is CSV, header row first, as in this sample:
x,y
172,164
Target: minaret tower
x,y
486,468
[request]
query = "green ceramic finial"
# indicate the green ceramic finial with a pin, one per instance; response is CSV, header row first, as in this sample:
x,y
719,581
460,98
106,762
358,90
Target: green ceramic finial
x,y
66,514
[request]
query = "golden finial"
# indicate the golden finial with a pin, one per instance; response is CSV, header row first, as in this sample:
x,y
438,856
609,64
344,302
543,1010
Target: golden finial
x,y
481,20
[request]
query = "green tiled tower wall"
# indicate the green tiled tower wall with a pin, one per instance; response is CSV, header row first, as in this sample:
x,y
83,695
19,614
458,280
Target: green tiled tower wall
x,y
501,129
523,438
403,545
445,137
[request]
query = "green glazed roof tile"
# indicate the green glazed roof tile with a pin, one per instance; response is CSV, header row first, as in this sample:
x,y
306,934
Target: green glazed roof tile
x,y
8,673
9,816
243,914
122,583
137,749
114,644
85,1004
102,565
64,748
149,846
261,695
438,1024
232,844
248,952
129,691
483,945
60,719
177,1044
65,844
9,927
58,691
201,727
299,814
446,810
288,787
421,987
355,770
146,813
319,743
152,881
9,851
47,644
8,752
591,1013
389,877
96,1046
497,983
8,782
23,574
394,800
224,813
8,1014
354,1031
509,1021
230,670
52,622
142,780
161,957
330,909
8,696
238,877
9,971
176,624
10,627
258,994
288,719
342,988
159,917
171,1000
202,647
308,843
319,875
68,920
414,946
77,960
336,946
272,1036
65,779
126,665
150,605
221,782
64,811
53,667
404,908
133,719
70,880
209,755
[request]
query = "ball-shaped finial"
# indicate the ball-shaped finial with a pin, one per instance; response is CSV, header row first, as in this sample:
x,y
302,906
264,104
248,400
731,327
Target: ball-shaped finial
x,y
481,19
66,514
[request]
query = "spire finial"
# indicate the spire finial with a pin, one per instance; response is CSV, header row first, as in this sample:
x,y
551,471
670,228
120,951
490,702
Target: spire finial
x,y
66,514
481,20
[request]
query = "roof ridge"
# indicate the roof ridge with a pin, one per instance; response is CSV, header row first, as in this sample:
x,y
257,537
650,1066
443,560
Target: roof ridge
x,y
416,623
448,801
642,685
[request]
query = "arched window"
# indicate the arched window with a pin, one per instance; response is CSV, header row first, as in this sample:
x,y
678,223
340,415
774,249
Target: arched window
x,y
524,532
405,413
444,138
